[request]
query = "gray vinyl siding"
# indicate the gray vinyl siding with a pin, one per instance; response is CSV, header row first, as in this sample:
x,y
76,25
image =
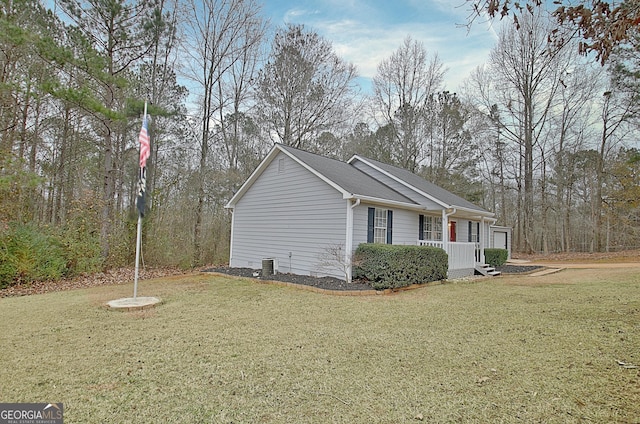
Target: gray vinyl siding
x,y
405,225
395,185
291,211
360,224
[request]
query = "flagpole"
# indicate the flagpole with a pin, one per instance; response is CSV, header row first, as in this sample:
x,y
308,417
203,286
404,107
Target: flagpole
x,y
139,234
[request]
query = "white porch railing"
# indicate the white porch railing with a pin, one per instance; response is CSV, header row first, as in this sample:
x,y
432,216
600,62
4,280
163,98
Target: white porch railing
x,y
461,255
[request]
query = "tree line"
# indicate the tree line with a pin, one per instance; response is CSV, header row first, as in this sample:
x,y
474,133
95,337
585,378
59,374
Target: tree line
x,y
542,135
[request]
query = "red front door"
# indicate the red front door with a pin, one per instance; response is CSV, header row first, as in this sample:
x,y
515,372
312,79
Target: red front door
x,y
452,231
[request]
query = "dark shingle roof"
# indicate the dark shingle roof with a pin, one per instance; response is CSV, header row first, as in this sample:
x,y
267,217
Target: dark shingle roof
x,y
347,176
425,186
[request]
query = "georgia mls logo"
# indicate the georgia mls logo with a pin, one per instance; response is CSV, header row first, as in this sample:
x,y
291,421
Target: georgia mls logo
x,y
31,413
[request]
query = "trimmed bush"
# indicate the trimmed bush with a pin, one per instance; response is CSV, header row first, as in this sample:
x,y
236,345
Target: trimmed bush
x,y
387,266
496,257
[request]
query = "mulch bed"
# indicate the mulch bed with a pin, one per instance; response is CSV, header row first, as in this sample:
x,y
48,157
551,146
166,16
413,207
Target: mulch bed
x,y
324,283
330,283
517,269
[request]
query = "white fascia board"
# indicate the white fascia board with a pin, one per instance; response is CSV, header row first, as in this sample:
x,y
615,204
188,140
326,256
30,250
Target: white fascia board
x,y
428,196
386,202
404,183
478,214
253,177
266,161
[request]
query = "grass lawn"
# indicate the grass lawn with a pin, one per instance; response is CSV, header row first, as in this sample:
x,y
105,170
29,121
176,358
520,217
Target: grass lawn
x,y
225,350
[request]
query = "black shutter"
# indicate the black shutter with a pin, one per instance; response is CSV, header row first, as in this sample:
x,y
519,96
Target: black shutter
x,y
421,228
389,226
478,224
470,224
370,222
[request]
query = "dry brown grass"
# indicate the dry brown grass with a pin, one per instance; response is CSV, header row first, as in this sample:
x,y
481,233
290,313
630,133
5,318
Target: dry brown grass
x,y
623,256
222,350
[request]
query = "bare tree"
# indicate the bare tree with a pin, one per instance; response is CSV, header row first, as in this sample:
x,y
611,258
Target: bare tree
x,y
219,33
305,88
616,109
569,128
402,87
601,25
525,68
238,132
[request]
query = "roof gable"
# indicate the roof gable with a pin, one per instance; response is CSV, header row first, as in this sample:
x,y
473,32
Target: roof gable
x,y
421,186
352,182
346,179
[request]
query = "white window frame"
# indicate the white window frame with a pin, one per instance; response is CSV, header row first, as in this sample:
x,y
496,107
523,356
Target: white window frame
x,y
432,228
380,226
474,232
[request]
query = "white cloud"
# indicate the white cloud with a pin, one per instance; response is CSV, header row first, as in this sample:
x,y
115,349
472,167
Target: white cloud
x,y
365,36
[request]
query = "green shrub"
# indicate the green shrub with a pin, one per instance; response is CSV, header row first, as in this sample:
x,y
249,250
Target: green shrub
x,y
81,239
389,266
496,257
29,254
82,252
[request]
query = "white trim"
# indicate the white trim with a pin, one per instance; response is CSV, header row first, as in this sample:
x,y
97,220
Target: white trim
x,y
314,172
277,148
417,190
482,241
381,214
478,213
233,216
404,183
348,244
254,176
385,202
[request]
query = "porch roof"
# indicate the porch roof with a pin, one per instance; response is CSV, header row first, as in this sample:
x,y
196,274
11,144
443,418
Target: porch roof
x,y
419,184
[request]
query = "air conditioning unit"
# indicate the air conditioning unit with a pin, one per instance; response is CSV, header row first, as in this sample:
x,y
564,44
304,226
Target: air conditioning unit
x,y
268,267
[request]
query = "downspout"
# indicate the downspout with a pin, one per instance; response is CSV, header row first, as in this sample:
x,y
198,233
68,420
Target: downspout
x,y
348,248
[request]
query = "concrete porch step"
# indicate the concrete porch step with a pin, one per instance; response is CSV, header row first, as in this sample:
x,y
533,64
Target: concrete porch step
x,y
486,269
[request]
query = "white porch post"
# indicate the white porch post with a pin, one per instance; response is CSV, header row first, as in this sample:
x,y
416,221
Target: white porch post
x,y
445,230
348,244
481,235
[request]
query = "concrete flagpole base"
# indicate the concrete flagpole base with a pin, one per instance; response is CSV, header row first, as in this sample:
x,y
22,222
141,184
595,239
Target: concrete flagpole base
x,y
133,304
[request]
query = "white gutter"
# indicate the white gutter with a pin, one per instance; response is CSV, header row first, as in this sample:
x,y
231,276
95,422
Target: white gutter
x,y
399,180
480,213
379,201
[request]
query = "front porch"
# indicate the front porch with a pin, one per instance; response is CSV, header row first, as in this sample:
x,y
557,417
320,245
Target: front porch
x,y
463,257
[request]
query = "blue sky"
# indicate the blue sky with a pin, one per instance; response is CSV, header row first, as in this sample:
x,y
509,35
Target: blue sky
x,y
364,32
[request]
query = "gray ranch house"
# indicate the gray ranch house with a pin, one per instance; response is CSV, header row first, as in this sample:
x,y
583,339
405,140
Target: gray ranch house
x,y
298,208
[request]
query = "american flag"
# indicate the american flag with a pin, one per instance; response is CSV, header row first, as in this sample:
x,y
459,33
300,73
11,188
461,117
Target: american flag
x,y
145,146
145,152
